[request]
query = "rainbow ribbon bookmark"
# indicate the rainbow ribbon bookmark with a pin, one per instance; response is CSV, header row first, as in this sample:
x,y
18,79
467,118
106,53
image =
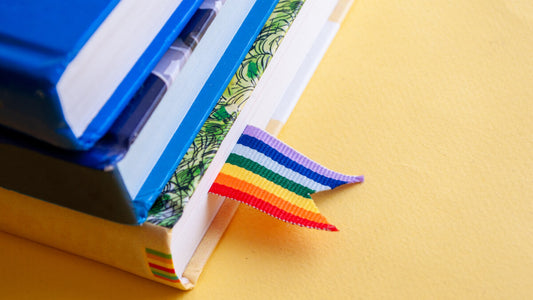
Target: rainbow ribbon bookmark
x,y
265,173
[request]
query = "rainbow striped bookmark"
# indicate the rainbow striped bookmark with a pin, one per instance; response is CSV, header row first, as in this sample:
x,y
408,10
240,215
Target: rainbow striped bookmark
x,y
265,173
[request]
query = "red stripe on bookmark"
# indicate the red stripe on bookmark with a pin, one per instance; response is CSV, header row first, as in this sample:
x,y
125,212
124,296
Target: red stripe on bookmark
x,y
268,208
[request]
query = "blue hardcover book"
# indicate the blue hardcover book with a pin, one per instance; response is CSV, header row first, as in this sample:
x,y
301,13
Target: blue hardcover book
x,y
68,68
113,146
111,180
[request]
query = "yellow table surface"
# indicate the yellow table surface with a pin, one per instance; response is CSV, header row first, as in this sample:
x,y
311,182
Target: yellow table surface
x,y
433,102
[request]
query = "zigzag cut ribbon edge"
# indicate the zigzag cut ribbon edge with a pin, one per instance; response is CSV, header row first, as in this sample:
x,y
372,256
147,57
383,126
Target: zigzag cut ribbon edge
x,y
265,173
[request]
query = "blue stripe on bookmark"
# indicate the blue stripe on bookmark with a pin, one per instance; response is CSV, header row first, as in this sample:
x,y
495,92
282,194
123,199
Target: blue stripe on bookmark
x,y
262,147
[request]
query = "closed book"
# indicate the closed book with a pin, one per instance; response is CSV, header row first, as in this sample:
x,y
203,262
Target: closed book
x,y
120,182
67,69
183,227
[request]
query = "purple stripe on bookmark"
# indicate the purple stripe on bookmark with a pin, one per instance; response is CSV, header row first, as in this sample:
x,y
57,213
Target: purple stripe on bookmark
x,y
298,157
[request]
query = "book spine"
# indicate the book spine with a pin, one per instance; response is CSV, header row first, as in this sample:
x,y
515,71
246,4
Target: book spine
x,y
141,250
40,117
67,184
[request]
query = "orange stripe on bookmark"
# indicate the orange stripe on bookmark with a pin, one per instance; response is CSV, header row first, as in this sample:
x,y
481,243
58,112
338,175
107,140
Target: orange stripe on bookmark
x,y
266,196
269,208
266,174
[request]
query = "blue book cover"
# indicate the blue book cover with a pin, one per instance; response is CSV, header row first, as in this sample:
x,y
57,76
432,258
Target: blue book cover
x,y
112,147
40,40
202,107
48,173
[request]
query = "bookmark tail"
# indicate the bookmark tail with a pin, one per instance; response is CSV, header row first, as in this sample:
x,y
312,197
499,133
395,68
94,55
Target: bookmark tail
x,y
265,173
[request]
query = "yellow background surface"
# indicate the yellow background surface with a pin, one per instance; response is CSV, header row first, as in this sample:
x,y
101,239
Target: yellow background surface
x,y
433,102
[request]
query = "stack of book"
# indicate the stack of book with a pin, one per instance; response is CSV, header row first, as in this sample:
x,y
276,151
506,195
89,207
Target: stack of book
x,y
116,117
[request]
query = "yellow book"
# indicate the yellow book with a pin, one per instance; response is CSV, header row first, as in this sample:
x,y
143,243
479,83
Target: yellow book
x,y
174,253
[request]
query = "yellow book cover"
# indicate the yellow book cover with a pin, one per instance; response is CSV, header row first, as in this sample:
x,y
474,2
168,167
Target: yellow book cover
x,y
176,241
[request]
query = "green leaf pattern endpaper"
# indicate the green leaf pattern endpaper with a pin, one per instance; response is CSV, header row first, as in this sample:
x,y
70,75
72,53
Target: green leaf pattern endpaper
x,y
169,206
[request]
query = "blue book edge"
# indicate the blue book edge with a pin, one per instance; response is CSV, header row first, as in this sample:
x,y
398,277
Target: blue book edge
x,y
115,143
29,65
202,106
50,125
131,83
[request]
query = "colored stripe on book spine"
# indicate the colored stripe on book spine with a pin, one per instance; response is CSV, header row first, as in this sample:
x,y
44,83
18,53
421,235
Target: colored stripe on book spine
x,y
171,278
157,253
160,260
161,266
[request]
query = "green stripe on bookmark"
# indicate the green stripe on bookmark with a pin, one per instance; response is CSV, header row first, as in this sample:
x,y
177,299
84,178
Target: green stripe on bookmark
x,y
252,166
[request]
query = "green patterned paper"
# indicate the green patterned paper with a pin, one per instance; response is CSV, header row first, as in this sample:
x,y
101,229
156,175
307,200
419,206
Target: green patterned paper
x,y
169,206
